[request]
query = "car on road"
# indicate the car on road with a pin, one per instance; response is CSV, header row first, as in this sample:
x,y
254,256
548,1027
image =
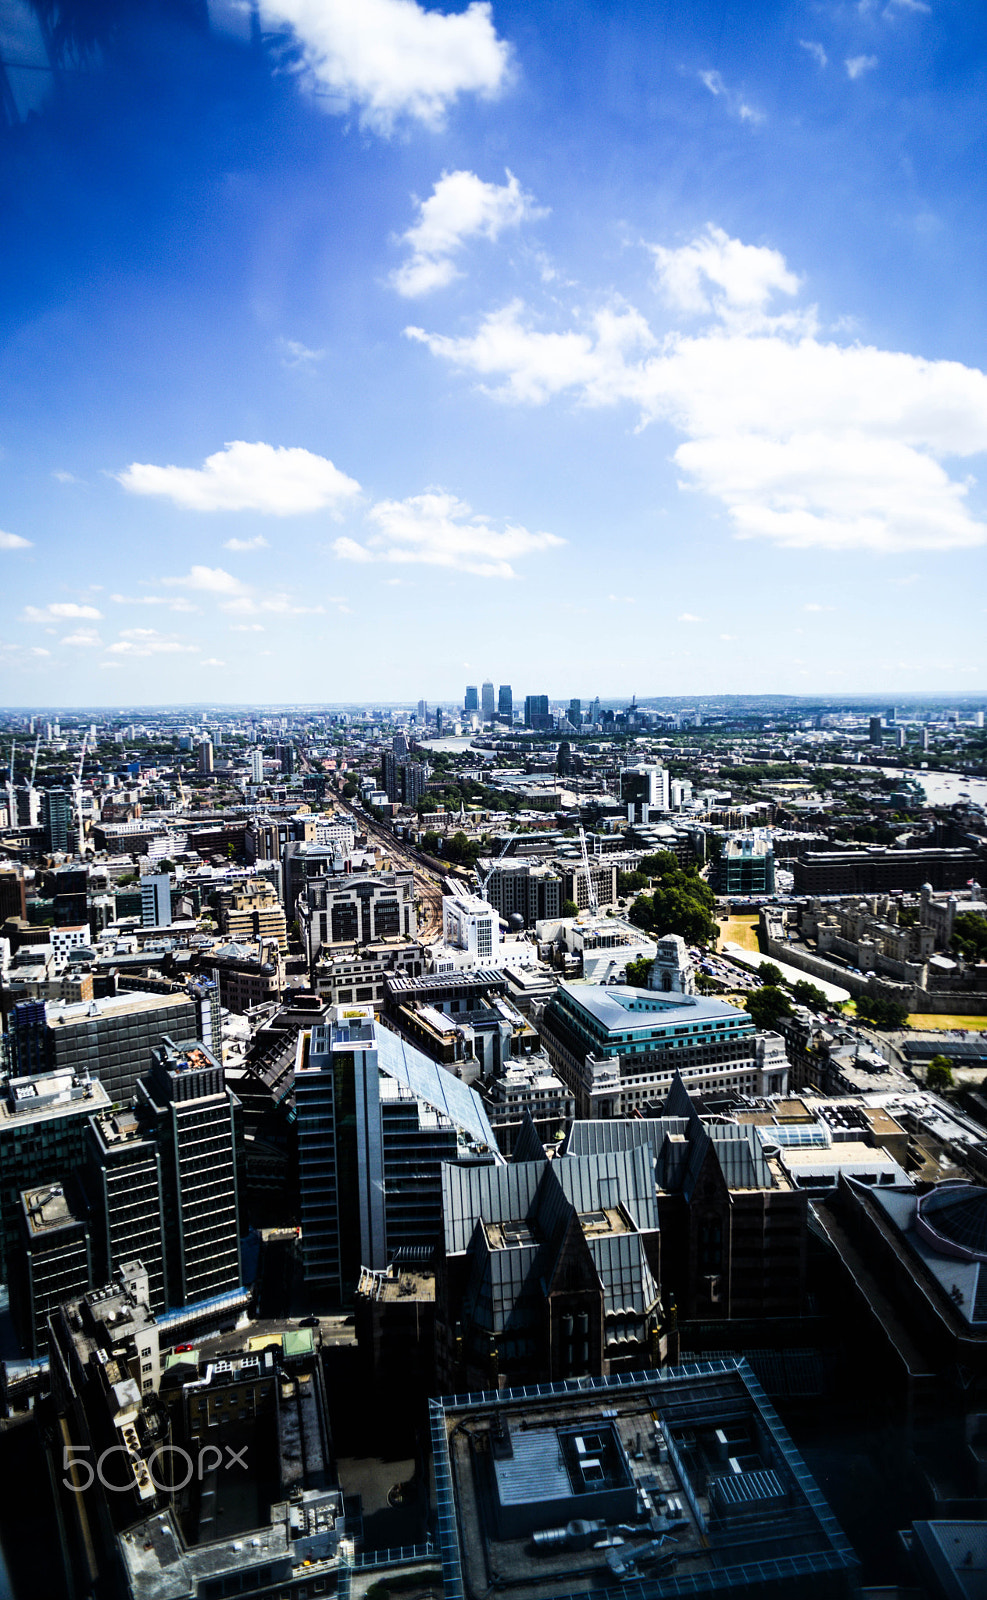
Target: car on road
x,y
180,1349
310,1322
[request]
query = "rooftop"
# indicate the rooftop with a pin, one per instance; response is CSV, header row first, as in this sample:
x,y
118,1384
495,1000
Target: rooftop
x,y
674,1482
618,1008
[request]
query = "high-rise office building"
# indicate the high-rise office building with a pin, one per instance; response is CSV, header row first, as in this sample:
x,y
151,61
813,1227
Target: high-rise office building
x,y
156,900
536,713
257,766
123,1181
193,1113
56,819
472,701
875,730
113,1038
376,1119
505,704
423,711
205,755
55,1259
576,713
487,702
43,1122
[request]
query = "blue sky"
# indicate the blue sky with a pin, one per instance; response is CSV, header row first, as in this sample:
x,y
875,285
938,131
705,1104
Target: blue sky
x,y
364,350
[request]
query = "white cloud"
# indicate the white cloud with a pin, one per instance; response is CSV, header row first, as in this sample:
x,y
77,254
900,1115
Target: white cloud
x,y
211,580
275,480
746,275
438,530
257,543
735,104
687,616
84,638
815,50
148,642
461,206
856,66
211,661
393,58
13,541
36,650
246,627
281,604
63,611
804,442
296,355
174,602
64,477
907,5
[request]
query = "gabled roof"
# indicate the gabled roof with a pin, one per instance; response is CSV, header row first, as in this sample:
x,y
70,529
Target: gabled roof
x,y
527,1145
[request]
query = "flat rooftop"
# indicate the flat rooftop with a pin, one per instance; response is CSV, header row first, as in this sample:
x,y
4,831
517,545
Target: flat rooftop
x,y
681,1482
620,1009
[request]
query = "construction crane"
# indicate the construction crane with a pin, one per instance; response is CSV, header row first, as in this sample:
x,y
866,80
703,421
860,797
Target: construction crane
x,y
77,795
594,904
501,853
11,796
34,759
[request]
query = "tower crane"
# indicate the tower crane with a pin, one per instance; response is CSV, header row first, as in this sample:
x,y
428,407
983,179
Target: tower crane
x,y
11,797
77,795
501,853
594,904
34,759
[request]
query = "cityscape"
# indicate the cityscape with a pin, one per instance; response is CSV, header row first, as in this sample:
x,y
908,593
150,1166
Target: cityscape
x,y
493,800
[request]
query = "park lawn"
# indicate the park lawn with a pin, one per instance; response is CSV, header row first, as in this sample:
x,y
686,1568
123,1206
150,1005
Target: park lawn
x,y
739,930
934,1023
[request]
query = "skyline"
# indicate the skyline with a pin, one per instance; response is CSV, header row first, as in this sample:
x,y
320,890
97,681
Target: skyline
x,y
639,350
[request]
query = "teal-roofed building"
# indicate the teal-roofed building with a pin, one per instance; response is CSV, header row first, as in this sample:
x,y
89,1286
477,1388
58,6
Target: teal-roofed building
x,y
618,1049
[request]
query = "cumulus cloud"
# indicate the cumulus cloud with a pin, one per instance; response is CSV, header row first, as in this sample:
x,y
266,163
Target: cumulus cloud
x,y
62,611
437,530
257,543
717,272
393,58
148,642
84,639
461,206
856,66
275,480
211,661
13,541
211,580
815,50
805,442
687,616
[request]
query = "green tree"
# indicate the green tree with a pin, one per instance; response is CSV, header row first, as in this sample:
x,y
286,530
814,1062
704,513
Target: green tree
x,y
631,882
939,1073
768,1005
970,936
570,908
769,973
637,972
431,843
887,1015
808,995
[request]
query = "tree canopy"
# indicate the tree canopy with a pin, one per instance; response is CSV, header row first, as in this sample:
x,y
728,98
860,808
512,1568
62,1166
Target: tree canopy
x,y
768,1005
681,902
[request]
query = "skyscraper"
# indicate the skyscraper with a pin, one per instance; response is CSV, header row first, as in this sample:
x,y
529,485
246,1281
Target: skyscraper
x,y
186,1097
205,755
536,714
472,702
376,1119
576,713
487,702
56,819
505,704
